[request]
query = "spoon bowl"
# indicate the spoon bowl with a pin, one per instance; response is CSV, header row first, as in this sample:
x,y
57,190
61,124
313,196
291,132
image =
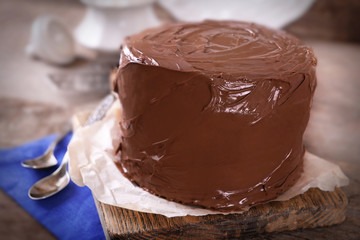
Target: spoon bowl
x,y
51,184
59,179
47,159
44,161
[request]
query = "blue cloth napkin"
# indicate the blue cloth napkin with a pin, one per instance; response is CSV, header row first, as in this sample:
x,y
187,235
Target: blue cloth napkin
x,y
70,214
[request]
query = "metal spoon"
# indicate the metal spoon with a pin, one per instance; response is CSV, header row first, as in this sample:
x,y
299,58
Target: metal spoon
x,y
47,159
59,179
51,184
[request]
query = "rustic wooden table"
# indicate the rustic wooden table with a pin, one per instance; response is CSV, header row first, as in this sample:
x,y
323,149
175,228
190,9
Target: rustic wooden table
x,y
31,109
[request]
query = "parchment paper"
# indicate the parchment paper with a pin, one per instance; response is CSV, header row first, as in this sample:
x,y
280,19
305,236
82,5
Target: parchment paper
x,y
91,153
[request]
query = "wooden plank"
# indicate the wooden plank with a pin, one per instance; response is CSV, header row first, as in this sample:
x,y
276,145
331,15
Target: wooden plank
x,y
315,208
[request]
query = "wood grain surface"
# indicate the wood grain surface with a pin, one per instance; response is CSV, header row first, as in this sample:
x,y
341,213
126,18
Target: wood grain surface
x,y
314,208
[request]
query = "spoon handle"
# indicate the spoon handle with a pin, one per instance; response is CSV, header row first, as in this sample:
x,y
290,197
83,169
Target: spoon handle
x,y
63,166
100,110
59,179
65,130
96,115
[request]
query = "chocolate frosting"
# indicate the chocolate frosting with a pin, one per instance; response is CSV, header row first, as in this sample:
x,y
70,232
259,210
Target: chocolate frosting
x,y
214,112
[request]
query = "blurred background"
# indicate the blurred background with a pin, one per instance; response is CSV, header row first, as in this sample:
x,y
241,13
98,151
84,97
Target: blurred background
x,y
56,58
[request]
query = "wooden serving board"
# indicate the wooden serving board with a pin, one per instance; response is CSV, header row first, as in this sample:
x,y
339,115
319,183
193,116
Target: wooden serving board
x,y
315,208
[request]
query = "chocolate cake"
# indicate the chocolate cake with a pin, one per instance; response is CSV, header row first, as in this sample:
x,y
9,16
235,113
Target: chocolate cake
x,y
214,112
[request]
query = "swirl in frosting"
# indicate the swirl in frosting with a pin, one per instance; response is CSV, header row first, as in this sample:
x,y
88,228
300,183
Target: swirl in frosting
x,y
214,112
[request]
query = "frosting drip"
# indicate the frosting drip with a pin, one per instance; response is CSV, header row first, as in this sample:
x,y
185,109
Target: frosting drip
x,y
214,112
